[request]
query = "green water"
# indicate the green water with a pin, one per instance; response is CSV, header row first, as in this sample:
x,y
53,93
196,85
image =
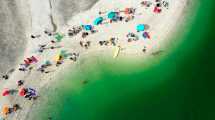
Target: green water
x,y
180,86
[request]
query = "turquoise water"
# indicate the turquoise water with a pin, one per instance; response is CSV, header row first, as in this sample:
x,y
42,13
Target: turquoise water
x,y
178,87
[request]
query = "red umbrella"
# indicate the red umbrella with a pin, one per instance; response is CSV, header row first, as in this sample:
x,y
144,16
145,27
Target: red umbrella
x,y
157,10
22,92
6,92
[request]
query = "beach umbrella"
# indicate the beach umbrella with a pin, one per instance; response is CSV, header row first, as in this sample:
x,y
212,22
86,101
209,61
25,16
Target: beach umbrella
x,y
22,92
88,27
5,110
63,53
157,10
58,37
112,15
57,58
98,21
47,62
140,27
6,92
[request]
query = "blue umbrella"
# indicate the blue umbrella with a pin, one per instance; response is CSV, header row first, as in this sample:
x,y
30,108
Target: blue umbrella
x,y
98,21
140,27
112,15
88,27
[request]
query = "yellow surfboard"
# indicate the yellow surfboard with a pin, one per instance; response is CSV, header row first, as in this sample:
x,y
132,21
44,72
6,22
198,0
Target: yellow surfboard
x,y
116,52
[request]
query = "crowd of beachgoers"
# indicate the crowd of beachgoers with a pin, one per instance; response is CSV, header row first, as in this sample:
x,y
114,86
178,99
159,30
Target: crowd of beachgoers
x,y
31,63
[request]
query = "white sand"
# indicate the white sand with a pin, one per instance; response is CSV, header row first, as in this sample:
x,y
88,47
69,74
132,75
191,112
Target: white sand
x,y
161,27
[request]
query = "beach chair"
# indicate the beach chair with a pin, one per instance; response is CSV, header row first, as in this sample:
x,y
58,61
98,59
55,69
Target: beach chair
x,y
146,35
34,59
27,62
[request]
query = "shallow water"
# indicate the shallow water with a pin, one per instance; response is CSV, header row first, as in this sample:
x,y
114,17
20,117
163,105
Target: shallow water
x,y
180,87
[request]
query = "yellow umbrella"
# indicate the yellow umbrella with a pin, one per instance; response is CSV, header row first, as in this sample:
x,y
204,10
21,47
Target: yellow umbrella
x,y
57,58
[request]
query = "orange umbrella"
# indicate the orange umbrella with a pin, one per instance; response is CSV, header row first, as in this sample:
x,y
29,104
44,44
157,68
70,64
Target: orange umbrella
x,y
5,110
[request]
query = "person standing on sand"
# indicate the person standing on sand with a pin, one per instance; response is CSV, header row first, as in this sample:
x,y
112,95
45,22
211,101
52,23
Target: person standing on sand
x,y
6,77
16,107
20,83
144,49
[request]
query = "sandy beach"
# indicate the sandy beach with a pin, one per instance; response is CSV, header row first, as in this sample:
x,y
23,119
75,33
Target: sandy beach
x,y
160,26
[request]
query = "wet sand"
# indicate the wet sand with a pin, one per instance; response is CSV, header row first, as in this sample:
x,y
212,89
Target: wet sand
x,y
12,35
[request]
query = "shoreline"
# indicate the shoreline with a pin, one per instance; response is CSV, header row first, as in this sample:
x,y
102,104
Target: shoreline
x,y
41,82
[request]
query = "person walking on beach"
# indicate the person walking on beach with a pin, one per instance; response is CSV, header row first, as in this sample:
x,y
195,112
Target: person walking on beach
x,y
35,36
5,76
74,56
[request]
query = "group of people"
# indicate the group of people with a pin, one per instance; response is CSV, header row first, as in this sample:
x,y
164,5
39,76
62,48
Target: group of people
x,y
28,93
8,109
157,5
84,30
111,41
